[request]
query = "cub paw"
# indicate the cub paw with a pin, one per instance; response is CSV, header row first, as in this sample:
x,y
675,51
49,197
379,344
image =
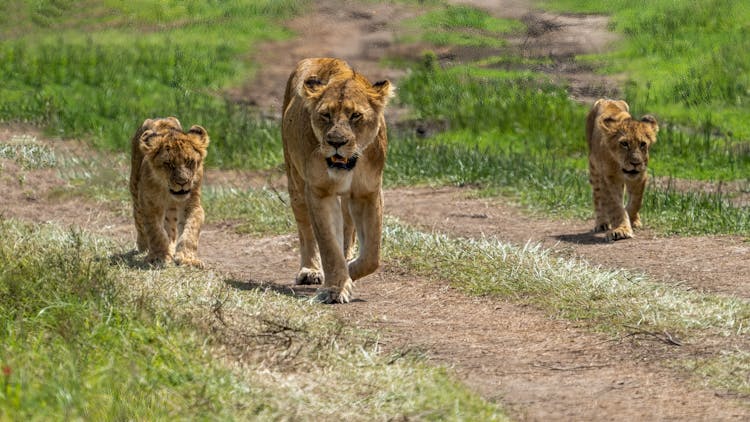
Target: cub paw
x,y
188,259
308,276
620,233
334,294
158,261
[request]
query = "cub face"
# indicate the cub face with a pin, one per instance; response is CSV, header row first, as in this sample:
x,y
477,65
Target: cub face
x,y
629,142
345,117
176,158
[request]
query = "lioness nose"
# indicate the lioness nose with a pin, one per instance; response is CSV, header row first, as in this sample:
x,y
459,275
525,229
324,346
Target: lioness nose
x,y
336,142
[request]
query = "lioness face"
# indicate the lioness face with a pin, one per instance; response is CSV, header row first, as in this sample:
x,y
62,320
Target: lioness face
x,y
176,158
345,118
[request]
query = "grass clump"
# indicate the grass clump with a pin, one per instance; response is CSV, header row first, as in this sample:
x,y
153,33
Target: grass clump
x,y
28,152
462,26
611,301
70,349
727,371
258,211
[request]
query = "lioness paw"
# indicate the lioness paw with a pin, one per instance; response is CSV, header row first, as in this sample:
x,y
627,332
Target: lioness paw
x,y
308,276
335,295
601,227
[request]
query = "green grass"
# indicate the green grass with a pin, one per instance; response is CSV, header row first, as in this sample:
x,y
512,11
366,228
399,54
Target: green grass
x,y
686,60
257,211
98,72
462,26
28,152
84,339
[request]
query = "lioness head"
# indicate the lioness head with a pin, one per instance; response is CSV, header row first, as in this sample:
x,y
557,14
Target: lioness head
x,y
176,156
628,140
345,115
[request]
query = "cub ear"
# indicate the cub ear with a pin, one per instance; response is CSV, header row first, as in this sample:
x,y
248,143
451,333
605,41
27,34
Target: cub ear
x,y
313,87
382,92
175,122
201,133
147,141
651,120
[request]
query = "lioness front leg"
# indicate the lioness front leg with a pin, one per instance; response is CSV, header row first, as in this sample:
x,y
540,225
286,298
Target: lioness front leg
x,y
327,222
309,272
191,221
367,212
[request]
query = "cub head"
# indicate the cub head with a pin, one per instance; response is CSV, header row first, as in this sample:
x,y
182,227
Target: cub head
x,y
176,157
628,140
345,115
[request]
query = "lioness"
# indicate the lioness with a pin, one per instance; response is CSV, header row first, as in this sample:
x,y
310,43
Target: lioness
x,y
618,159
165,184
335,141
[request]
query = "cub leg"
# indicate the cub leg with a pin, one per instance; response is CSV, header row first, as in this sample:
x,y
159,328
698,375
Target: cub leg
x,y
328,227
191,221
635,199
367,212
310,268
170,226
601,223
618,218
140,227
158,239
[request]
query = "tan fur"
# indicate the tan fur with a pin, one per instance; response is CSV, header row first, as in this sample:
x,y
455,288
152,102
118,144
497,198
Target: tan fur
x,y
165,184
618,161
333,113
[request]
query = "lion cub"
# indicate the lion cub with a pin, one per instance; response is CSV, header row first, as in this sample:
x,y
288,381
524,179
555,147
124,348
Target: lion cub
x,y
334,137
618,160
165,183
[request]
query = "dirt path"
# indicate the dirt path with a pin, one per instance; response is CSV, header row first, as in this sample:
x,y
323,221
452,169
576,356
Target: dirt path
x,y
537,367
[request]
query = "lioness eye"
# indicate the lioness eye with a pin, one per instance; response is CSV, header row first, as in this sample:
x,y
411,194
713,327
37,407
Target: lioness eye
x,y
355,116
326,116
624,144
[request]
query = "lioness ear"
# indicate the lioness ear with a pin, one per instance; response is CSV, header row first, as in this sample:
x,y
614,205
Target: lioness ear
x,y
383,91
313,87
651,120
610,124
201,133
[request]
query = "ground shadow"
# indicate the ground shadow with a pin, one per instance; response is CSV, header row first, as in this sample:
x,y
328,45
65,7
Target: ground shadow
x,y
299,291
586,238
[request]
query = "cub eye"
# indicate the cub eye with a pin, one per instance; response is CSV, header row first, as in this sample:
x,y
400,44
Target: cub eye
x,y
355,116
326,117
624,144
643,146
169,165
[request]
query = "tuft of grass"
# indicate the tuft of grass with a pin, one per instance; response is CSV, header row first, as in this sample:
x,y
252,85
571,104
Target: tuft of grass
x,y
259,211
28,152
728,371
465,26
611,301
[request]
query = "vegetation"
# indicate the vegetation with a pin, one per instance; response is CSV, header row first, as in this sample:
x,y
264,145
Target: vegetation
x,y
83,339
98,71
686,60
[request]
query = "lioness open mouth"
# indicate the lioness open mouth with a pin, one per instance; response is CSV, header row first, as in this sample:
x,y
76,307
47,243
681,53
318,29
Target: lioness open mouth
x,y
179,192
338,162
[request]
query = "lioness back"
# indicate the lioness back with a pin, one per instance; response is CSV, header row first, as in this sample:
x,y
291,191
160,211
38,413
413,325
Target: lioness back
x,y
618,160
334,136
165,185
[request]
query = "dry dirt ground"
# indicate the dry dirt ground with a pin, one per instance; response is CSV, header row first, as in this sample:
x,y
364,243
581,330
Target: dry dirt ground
x,y
537,367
